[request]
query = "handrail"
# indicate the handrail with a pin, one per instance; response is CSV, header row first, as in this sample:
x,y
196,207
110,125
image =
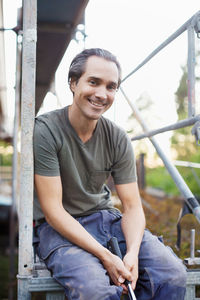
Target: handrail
x,y
193,24
189,164
172,37
177,125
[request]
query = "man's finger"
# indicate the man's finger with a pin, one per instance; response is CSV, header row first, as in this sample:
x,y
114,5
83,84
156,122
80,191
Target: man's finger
x,y
121,279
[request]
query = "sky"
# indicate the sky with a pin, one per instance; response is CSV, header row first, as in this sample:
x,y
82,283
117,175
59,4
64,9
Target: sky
x,y
131,30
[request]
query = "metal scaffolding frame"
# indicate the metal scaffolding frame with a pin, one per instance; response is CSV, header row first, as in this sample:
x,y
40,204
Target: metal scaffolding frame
x,y
27,283
192,26
26,161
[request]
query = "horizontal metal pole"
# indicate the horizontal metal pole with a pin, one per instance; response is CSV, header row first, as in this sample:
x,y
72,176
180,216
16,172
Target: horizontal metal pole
x,y
180,124
186,164
193,277
44,284
165,43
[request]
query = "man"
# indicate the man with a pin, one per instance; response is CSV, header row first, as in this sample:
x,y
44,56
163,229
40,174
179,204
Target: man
x,y
75,150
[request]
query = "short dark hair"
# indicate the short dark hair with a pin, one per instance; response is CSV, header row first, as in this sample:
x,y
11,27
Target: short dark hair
x,y
77,67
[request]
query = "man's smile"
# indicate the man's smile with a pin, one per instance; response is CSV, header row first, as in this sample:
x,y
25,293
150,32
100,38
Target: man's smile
x,y
97,104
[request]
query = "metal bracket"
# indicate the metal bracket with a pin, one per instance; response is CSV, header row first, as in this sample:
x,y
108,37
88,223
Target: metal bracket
x,y
197,26
196,132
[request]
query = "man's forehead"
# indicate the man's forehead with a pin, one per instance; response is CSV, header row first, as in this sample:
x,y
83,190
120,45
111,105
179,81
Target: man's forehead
x,y
92,60
98,66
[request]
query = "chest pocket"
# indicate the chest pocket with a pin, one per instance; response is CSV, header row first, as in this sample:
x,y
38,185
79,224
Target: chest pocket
x,y
96,180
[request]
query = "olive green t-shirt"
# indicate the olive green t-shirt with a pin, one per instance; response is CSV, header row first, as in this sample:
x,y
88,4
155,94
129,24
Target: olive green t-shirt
x,y
83,167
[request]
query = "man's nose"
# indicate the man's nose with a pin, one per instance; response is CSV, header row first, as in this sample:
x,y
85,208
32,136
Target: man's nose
x,y
101,92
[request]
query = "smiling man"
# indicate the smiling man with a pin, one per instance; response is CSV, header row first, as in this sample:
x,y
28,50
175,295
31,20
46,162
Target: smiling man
x,y
76,149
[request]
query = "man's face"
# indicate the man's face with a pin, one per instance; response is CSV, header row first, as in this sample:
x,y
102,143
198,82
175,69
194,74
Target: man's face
x,y
95,91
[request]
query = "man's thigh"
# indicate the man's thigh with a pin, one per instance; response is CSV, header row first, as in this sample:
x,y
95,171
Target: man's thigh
x,y
80,273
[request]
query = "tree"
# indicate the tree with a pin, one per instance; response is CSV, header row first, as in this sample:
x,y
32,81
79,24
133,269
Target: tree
x,y
183,142
181,95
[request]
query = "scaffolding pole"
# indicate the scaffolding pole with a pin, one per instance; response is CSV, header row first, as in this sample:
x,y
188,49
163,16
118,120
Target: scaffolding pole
x,y
191,70
177,125
13,209
180,183
26,163
193,20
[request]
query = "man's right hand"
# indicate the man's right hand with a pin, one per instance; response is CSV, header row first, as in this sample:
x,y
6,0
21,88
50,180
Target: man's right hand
x,y
116,270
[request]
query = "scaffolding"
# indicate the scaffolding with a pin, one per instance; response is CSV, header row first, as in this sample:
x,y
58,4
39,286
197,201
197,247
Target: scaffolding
x,y
28,279
192,26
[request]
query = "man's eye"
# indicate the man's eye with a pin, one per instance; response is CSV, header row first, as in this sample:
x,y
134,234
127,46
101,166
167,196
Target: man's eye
x,y
112,87
93,82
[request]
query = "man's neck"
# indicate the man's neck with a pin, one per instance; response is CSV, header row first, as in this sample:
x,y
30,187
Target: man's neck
x,y
83,127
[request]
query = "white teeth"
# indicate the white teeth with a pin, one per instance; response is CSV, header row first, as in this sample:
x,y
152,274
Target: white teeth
x,y
96,104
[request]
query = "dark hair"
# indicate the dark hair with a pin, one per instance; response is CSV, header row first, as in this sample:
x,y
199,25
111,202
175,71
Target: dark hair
x,y
77,67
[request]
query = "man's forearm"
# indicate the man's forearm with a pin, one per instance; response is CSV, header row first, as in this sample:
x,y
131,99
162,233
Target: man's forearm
x,y
133,225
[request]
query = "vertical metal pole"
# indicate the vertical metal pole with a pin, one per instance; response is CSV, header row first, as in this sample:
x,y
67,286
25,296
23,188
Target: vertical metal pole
x,y
141,171
192,243
13,210
191,71
26,166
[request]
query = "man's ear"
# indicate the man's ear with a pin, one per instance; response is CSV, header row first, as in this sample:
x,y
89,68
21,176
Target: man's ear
x,y
72,85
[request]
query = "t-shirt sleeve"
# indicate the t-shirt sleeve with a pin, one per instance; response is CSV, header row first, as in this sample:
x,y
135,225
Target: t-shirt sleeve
x,y
45,151
124,168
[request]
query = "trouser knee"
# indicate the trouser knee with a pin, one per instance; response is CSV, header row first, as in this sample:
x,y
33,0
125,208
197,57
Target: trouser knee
x,y
178,274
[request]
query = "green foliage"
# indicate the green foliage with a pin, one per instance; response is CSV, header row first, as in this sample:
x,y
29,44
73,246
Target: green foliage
x,y
181,95
5,154
183,142
159,178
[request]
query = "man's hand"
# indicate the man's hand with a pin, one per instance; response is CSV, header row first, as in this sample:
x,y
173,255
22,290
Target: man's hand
x,y
133,225
117,270
131,264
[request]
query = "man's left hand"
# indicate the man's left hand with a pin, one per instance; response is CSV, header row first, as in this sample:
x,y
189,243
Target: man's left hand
x,y
131,263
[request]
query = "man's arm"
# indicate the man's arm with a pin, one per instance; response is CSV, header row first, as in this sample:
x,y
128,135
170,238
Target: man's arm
x,y
49,191
133,224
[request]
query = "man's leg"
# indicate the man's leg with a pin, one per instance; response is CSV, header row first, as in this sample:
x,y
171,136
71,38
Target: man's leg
x,y
162,268
161,273
80,273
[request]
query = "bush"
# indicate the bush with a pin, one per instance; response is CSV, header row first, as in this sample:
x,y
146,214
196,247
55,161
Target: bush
x,y
161,179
